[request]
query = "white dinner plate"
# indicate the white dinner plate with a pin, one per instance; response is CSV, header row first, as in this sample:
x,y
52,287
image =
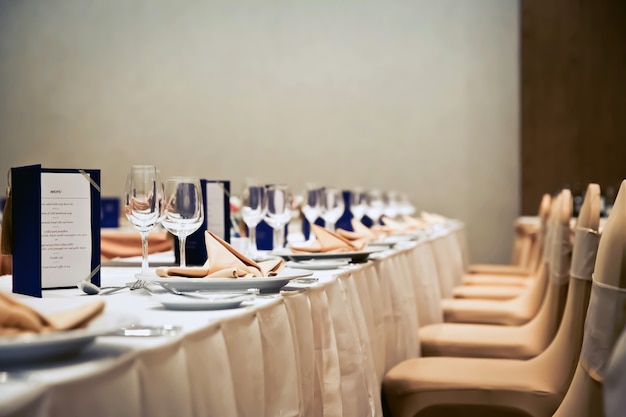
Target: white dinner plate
x,y
404,237
319,264
210,301
54,345
230,284
355,257
385,244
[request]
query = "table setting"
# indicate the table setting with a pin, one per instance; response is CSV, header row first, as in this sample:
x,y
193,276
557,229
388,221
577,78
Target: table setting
x,y
149,320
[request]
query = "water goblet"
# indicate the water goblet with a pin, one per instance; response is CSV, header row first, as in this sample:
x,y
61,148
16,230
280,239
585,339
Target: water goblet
x,y
143,203
390,202
253,208
311,207
278,212
405,207
358,203
375,206
183,211
333,207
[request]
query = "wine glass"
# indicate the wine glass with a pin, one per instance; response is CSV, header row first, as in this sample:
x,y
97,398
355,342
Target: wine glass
x,y
253,208
333,207
405,207
278,212
143,204
375,206
358,203
390,204
311,207
183,211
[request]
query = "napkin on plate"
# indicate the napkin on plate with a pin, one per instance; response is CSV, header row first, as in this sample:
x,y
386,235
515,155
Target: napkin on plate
x,y
414,223
393,226
408,224
17,318
224,261
359,232
327,241
433,218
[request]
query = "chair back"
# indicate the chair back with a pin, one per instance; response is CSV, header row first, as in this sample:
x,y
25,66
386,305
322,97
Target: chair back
x,y
605,320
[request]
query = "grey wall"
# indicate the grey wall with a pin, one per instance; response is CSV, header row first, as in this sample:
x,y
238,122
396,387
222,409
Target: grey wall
x,y
413,95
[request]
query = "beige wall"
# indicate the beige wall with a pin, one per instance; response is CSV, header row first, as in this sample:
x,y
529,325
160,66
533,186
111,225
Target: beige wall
x,y
417,96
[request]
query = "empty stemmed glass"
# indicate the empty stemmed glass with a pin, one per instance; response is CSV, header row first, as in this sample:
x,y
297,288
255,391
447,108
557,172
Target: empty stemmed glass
x,y
405,207
253,208
183,211
375,206
311,207
278,212
333,207
358,203
143,205
390,204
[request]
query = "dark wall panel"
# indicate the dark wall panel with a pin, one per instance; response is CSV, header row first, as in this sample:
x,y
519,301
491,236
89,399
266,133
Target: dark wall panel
x,y
573,88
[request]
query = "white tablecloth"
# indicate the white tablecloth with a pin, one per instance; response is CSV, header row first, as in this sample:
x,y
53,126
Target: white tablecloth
x,y
318,351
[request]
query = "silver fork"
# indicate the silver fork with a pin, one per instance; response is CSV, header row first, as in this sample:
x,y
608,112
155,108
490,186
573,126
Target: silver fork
x,y
171,289
138,284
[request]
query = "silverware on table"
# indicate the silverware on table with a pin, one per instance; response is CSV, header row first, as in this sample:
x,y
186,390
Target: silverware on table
x,y
230,294
139,330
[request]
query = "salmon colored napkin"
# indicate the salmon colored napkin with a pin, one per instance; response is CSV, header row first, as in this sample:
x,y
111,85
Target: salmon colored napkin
x,y
408,224
393,226
121,244
433,218
327,241
17,318
224,261
413,223
359,232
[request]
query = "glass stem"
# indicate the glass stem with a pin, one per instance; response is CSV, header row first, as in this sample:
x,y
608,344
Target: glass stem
x,y
144,253
279,237
330,226
182,240
252,248
311,234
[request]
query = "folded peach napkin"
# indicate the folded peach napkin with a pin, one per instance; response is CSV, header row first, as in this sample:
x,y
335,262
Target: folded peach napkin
x,y
224,261
414,223
359,232
408,224
393,226
17,318
433,218
327,241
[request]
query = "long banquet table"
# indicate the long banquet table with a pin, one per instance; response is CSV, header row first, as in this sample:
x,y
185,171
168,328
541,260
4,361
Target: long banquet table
x,y
316,349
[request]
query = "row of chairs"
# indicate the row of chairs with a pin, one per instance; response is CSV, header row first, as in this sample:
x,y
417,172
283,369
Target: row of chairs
x,y
533,338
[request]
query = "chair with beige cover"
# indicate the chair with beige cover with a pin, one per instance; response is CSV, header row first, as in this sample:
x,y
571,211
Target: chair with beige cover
x,y
615,380
527,248
530,339
606,319
522,308
437,386
503,282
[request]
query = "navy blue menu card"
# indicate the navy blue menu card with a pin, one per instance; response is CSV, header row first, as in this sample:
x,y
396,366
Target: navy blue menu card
x,y
56,228
216,200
